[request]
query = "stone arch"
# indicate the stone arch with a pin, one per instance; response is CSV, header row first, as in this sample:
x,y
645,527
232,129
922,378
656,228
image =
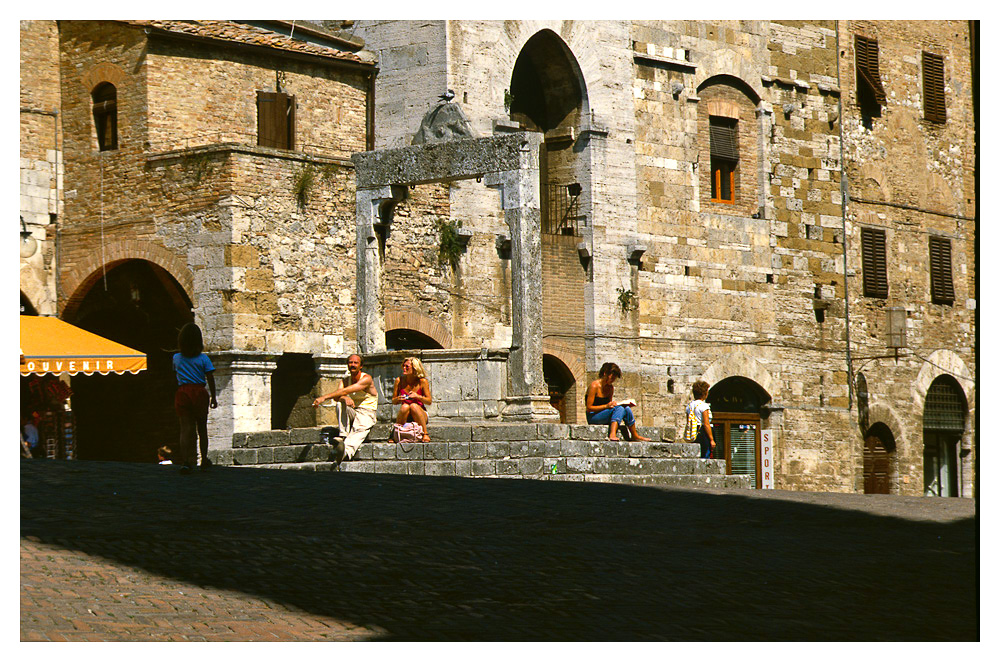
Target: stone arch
x,y
943,362
547,65
732,366
574,35
104,72
82,276
728,64
416,321
882,413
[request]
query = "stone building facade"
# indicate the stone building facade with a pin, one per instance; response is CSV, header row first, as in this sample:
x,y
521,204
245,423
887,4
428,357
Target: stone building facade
x,y
191,195
40,165
715,179
764,205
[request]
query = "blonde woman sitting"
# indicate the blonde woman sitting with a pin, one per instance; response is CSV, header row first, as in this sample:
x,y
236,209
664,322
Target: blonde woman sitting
x,y
412,392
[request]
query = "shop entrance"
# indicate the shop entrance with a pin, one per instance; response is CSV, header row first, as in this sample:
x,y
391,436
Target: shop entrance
x,y
736,424
127,417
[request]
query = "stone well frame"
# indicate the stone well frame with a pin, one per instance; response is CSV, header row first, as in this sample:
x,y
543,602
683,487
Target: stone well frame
x,y
508,162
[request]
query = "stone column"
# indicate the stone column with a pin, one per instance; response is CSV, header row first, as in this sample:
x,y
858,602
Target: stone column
x,y
528,396
243,390
371,322
331,370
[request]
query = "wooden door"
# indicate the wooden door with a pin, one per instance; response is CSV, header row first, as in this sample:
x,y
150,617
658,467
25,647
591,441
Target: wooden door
x,y
876,466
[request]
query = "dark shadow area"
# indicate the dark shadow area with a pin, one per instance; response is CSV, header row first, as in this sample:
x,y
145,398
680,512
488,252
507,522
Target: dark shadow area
x,y
441,558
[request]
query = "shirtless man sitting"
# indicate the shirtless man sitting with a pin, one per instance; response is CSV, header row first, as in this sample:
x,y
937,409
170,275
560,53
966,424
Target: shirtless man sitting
x,y
359,401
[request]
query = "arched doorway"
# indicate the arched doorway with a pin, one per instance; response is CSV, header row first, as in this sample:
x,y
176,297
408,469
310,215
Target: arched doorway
x,y
562,387
736,424
945,410
879,455
127,417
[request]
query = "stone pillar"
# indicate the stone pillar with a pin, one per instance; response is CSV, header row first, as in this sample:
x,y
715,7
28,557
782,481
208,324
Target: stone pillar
x,y
528,396
243,390
331,370
371,322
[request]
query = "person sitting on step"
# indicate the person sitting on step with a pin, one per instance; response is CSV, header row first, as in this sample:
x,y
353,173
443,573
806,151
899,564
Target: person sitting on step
x,y
412,392
602,407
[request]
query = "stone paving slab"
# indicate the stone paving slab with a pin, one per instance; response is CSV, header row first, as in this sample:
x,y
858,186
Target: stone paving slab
x,y
139,552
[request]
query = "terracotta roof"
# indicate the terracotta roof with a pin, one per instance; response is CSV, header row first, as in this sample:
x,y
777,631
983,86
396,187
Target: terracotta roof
x,y
247,34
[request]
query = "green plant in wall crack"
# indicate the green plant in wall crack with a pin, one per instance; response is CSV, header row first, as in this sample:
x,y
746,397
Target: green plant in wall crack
x,y
627,300
303,184
200,166
451,244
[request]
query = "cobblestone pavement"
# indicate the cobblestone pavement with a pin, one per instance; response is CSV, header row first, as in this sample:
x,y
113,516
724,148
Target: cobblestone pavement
x,y
115,551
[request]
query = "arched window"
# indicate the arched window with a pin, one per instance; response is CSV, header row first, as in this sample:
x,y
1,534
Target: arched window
x,y
728,131
105,98
944,422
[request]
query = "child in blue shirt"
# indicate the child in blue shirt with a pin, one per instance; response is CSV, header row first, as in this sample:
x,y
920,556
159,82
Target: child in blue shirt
x,y
191,402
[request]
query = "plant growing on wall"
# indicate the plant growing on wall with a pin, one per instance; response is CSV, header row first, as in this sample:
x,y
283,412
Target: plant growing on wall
x,y
303,183
200,165
627,300
451,245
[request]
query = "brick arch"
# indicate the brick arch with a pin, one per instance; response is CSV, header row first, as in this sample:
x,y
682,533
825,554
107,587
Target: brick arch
x,y
872,183
576,367
416,321
105,72
82,276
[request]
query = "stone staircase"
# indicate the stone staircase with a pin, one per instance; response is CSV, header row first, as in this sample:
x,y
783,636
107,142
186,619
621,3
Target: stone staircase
x,y
539,451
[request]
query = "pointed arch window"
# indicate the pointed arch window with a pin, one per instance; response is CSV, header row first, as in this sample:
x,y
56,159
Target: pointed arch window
x,y
105,98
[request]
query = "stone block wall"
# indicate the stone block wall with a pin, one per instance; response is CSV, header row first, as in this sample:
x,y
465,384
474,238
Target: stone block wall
x,y
41,173
913,179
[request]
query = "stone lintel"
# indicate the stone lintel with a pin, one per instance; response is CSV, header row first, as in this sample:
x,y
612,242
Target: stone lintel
x,y
442,162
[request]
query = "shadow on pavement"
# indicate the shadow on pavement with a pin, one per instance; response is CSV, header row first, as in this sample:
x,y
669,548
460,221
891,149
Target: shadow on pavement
x,y
444,558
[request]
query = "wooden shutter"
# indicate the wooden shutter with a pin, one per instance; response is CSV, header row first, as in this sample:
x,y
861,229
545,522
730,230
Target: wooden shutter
x,y
942,289
866,59
275,120
934,106
873,263
722,139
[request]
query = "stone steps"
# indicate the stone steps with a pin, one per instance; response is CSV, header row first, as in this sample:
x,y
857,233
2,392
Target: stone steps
x,y
489,450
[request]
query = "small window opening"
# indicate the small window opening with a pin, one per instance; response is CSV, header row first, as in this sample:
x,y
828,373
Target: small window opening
x,y
725,154
105,98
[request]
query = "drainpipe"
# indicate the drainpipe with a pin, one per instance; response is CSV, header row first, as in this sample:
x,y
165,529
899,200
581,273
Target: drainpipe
x,y
843,217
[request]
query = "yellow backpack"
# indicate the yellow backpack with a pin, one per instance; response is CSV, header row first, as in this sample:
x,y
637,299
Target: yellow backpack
x,y
691,429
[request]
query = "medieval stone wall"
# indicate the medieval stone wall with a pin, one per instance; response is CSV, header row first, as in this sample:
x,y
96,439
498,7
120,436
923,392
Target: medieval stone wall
x,y
913,179
40,159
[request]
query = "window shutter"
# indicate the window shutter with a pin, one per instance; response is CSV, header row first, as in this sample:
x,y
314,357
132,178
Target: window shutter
x,y
934,106
722,138
866,59
289,122
873,263
275,120
942,288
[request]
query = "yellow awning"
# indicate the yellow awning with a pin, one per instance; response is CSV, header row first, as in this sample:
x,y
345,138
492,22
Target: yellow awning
x,y
50,345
